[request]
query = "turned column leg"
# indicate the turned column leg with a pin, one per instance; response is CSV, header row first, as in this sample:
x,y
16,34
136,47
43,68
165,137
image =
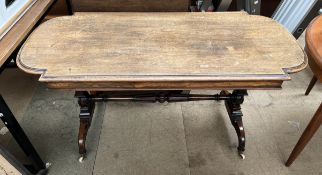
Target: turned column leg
x,y
235,116
308,133
86,113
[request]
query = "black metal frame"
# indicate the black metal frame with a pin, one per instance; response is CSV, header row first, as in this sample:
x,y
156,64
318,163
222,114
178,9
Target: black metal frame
x,y
86,101
309,17
13,161
37,165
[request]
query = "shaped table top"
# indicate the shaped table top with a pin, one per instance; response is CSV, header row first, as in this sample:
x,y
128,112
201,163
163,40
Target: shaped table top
x,y
162,51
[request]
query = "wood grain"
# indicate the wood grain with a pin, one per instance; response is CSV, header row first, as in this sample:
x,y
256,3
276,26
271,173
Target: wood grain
x,y
22,28
123,50
131,5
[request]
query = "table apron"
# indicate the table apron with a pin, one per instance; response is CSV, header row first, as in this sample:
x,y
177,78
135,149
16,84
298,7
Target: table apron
x,y
183,85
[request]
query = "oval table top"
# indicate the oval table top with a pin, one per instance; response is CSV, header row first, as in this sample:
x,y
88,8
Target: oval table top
x,y
230,50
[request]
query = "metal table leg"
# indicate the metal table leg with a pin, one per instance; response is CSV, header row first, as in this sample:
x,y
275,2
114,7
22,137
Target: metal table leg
x,y
21,138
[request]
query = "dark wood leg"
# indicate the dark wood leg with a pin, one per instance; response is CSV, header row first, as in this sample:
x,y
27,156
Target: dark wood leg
x,y
312,83
69,7
86,113
235,115
308,133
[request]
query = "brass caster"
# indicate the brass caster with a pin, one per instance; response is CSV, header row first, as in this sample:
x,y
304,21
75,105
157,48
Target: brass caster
x,y
48,165
242,155
81,159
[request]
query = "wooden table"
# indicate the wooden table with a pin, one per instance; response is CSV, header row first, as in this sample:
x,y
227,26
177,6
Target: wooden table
x,y
155,56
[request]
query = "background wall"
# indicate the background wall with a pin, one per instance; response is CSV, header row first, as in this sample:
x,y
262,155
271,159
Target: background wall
x,y
267,9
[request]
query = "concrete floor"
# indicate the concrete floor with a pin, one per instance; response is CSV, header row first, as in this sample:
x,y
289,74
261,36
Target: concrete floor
x,y
193,138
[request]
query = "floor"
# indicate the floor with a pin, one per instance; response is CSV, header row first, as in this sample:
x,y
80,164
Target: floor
x,y
192,138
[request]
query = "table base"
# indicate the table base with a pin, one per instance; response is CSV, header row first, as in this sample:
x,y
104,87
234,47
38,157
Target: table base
x,y
87,99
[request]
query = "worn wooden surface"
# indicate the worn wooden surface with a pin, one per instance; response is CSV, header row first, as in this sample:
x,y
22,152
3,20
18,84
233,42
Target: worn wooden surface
x,y
162,51
21,29
131,5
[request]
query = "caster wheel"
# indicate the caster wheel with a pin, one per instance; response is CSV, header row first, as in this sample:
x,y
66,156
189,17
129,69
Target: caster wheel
x,y
81,159
48,165
242,156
